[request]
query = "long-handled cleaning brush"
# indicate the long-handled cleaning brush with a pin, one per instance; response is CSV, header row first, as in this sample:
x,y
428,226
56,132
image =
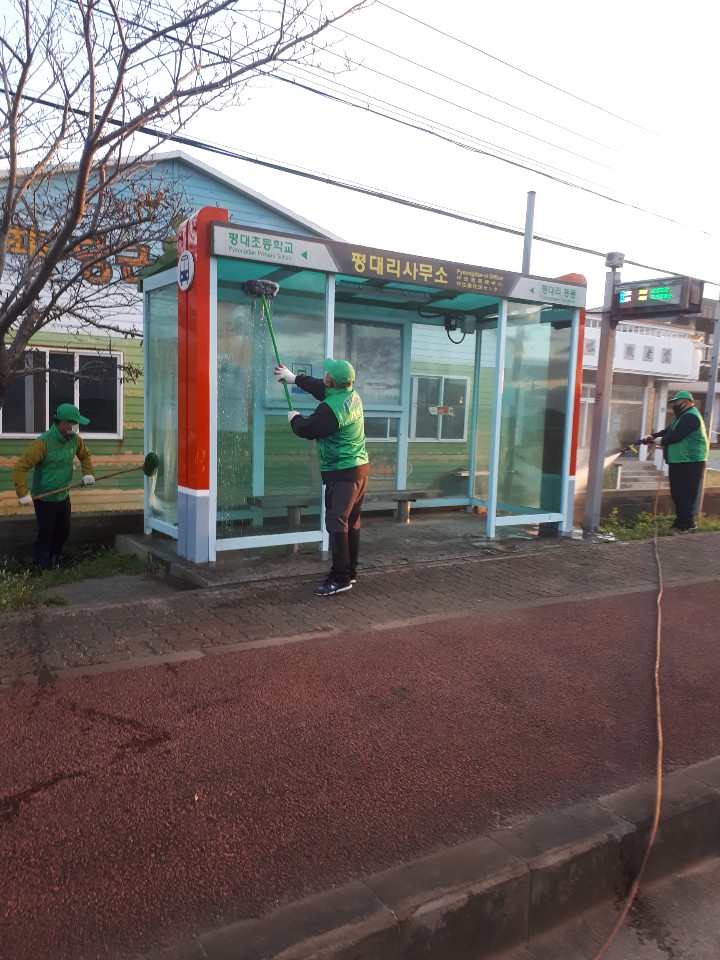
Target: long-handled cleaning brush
x,y
149,467
267,290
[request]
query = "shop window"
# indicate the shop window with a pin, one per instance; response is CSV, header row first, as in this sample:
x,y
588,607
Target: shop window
x,y
89,380
439,408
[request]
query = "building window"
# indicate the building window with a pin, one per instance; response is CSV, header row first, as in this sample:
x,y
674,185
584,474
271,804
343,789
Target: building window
x,y
381,428
89,380
438,408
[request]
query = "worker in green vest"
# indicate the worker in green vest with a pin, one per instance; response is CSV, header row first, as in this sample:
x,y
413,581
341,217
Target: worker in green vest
x,y
685,447
52,456
338,427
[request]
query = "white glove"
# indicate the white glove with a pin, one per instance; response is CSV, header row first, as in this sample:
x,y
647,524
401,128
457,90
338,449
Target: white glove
x,y
88,480
25,501
291,414
282,373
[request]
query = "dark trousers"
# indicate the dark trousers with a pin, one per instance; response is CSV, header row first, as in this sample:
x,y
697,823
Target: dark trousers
x,y
685,480
53,520
343,504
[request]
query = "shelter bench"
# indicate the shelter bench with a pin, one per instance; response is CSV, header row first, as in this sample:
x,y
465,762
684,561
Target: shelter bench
x,y
403,499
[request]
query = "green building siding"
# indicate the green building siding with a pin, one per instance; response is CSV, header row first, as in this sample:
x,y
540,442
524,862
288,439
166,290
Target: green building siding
x,y
202,187
118,493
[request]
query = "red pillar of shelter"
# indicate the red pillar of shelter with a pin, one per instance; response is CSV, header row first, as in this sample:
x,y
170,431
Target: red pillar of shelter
x,y
194,380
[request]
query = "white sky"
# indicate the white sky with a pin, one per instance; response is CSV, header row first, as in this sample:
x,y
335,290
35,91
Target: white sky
x,y
651,63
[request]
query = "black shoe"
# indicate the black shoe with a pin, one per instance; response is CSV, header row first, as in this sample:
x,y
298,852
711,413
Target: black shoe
x,y
331,587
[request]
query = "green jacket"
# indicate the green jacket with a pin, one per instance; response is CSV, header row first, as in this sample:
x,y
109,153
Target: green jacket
x,y
52,456
691,448
346,447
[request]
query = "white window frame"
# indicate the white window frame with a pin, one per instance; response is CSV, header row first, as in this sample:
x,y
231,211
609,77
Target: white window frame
x,y
413,408
386,419
49,416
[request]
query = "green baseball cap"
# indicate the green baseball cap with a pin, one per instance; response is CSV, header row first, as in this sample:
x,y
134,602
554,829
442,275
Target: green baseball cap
x,y
340,370
69,412
682,395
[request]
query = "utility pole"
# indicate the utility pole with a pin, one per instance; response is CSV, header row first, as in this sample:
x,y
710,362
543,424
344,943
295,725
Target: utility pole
x,y
713,378
603,389
710,396
529,220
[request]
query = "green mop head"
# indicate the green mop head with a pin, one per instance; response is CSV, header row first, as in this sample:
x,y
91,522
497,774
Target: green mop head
x,y
152,462
267,289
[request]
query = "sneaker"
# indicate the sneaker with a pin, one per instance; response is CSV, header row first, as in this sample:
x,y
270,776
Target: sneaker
x,y
330,587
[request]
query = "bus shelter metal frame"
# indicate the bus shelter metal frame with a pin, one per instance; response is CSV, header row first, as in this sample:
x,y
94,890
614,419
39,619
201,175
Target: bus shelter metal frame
x,y
197,503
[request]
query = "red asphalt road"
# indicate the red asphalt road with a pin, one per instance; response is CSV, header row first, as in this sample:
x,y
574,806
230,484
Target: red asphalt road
x,y
140,807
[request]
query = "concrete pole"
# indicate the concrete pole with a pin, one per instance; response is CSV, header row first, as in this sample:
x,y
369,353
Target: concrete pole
x,y
529,221
713,378
710,397
601,408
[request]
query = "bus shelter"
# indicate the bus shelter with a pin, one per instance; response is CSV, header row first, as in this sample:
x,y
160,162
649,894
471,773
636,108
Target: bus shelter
x,y
469,378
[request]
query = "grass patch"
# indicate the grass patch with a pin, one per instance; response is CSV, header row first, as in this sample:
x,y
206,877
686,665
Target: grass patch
x,y
641,526
22,587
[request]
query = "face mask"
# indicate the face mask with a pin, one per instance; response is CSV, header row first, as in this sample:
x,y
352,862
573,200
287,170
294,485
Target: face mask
x,y
75,428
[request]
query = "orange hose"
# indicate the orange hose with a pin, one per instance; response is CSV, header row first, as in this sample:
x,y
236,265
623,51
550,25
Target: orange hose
x,y
659,761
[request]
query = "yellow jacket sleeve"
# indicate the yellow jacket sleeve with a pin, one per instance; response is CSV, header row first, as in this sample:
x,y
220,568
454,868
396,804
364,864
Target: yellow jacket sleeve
x,y
34,454
83,455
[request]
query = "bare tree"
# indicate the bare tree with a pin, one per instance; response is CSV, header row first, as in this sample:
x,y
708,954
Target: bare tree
x,y
82,82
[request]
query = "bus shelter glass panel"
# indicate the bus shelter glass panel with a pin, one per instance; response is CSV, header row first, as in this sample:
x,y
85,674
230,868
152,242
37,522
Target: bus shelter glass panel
x,y
441,398
375,351
268,480
161,371
534,403
381,439
485,404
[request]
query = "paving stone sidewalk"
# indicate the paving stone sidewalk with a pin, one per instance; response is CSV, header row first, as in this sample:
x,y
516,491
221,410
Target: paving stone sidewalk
x,y
137,622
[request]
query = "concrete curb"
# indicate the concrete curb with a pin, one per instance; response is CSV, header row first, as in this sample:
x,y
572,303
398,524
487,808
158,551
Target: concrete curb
x,y
492,893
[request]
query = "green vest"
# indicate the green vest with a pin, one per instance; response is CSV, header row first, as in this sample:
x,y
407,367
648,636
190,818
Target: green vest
x,y
56,468
693,447
346,447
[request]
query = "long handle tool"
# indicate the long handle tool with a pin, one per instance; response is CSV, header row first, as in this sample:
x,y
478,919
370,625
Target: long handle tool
x,y
267,290
148,467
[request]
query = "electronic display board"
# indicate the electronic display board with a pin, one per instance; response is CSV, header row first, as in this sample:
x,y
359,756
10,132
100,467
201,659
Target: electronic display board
x,y
656,298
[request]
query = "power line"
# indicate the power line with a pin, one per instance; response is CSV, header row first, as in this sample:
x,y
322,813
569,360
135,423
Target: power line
x,y
488,153
424,124
381,195
482,116
483,93
357,188
528,165
505,63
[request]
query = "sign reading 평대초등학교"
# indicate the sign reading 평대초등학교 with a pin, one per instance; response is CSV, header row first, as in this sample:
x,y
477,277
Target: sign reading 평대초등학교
x,y
331,256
